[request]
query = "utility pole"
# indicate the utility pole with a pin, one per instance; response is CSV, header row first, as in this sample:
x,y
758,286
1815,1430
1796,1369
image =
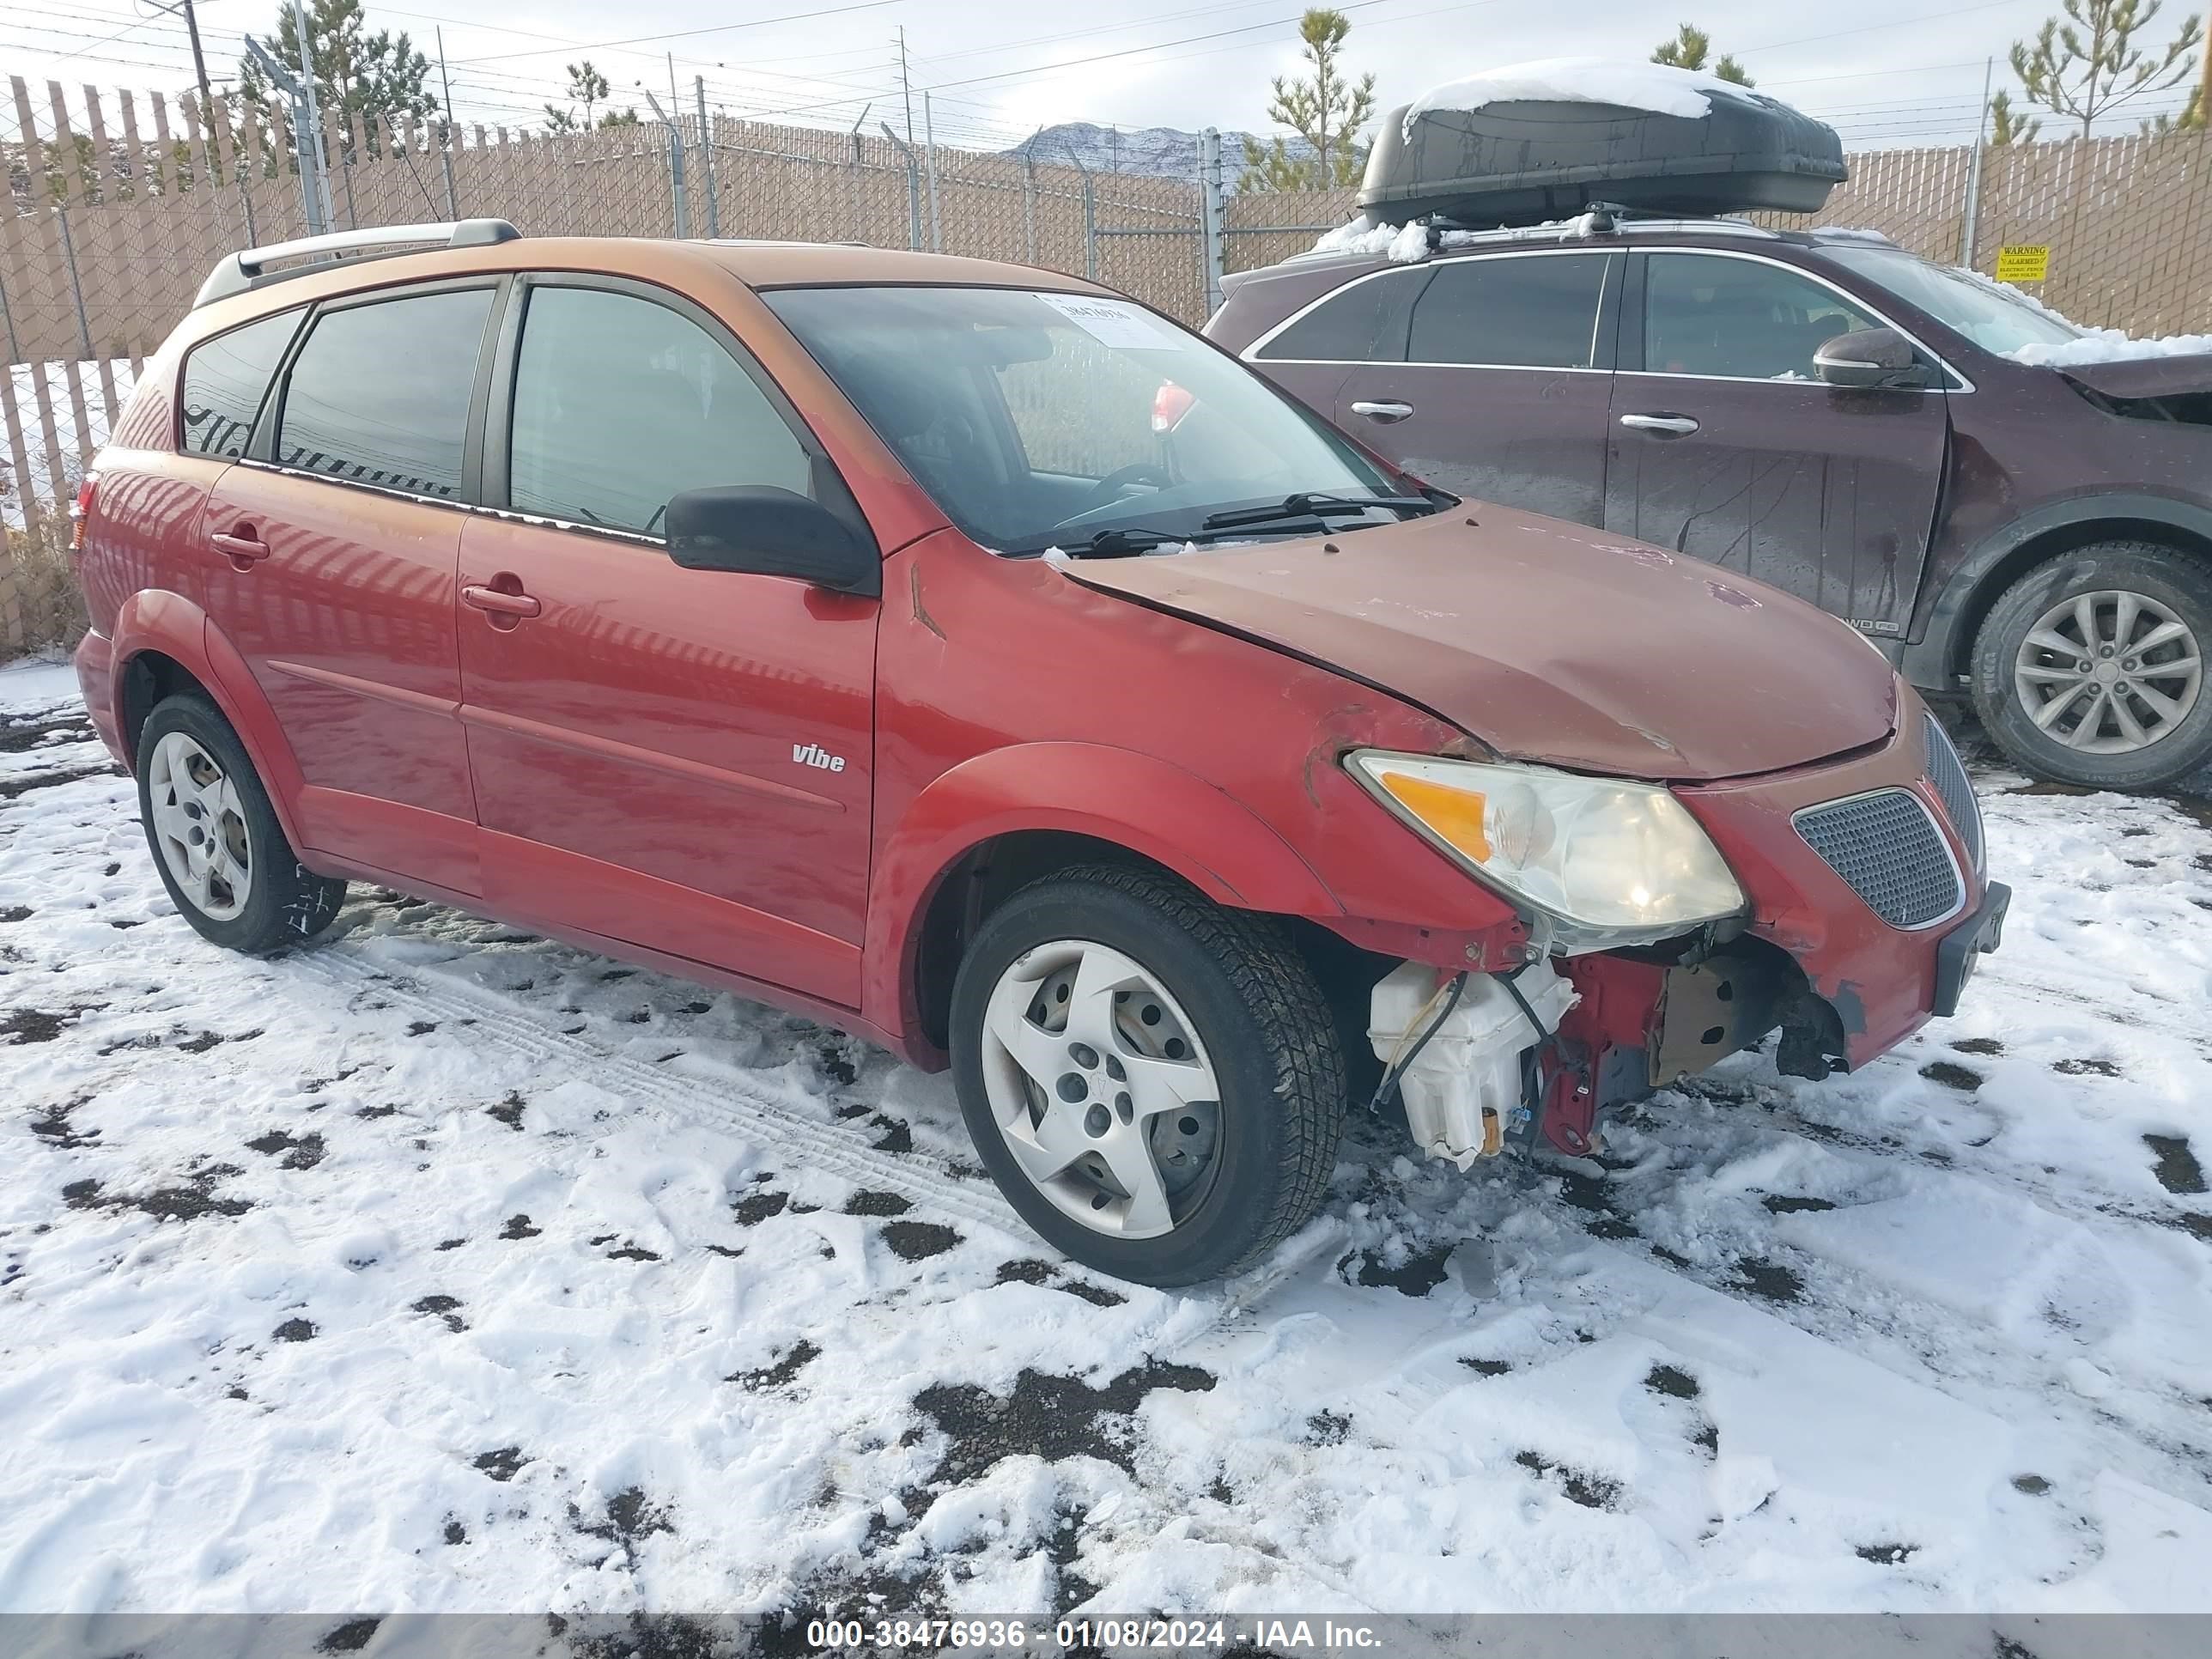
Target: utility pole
x,y
281,76
1969,232
2204,90
929,151
706,143
452,133
312,145
906,87
207,111
675,163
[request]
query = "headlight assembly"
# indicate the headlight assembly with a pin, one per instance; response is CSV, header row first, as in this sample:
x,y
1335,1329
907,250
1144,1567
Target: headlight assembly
x,y
1609,862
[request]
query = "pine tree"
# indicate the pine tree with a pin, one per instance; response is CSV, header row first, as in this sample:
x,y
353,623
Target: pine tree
x,y
2086,67
1689,50
356,73
2005,126
1326,112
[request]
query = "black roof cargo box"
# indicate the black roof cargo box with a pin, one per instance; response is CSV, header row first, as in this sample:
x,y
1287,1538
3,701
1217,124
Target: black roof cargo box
x,y
1525,154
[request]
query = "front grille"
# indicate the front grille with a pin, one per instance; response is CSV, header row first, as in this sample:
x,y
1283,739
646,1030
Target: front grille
x,y
1948,774
1886,847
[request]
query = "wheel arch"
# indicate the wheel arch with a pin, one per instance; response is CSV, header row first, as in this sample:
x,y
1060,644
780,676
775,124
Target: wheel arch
x,y
1945,647
1003,819
165,643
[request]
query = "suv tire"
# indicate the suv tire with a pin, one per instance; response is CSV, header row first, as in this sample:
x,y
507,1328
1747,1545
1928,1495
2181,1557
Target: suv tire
x,y
216,839
1180,1000
2096,602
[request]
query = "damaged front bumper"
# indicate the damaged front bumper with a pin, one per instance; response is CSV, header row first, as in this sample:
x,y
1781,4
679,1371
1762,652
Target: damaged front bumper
x,y
1813,959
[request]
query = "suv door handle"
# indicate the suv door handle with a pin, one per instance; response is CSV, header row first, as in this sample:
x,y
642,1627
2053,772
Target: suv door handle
x,y
239,543
1383,414
1673,425
500,604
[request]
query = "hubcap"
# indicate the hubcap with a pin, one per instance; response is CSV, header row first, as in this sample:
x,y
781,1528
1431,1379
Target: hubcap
x,y
200,827
2108,673
1101,1089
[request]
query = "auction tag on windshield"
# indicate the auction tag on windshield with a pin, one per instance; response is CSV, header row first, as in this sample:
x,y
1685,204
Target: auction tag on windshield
x,y
1114,322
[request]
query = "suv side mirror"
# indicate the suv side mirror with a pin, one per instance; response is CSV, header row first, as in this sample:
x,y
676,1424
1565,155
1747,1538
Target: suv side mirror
x,y
770,532
1871,359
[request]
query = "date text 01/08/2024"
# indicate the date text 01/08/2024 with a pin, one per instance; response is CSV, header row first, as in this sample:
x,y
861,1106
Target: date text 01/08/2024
x,y
1089,1635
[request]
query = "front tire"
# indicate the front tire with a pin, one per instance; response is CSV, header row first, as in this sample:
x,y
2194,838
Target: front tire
x,y
215,836
1154,1082
2090,669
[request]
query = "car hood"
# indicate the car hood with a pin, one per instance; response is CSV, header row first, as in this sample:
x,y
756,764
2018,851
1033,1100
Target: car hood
x,y
2145,377
1546,640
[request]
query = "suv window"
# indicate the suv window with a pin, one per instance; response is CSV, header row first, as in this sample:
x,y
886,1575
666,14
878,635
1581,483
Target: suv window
x,y
224,380
1526,311
379,393
1738,318
621,403
1355,324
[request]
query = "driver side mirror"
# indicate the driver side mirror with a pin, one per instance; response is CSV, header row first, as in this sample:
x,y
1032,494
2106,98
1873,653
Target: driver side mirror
x,y
769,531
1872,359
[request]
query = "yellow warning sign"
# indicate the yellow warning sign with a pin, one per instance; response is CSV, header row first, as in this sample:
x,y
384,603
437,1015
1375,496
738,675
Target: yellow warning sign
x,y
2027,262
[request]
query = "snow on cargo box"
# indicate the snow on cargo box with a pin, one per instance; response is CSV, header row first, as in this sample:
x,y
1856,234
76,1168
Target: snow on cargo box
x,y
1542,140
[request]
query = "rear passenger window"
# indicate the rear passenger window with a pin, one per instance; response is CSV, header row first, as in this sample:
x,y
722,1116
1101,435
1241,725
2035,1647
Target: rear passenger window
x,y
224,379
1530,311
380,393
621,403
1364,323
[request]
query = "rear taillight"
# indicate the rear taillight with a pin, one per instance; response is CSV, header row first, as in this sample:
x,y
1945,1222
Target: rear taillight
x,y
81,510
1170,404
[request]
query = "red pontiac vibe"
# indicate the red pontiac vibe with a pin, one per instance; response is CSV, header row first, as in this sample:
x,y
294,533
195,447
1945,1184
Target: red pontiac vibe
x,y
970,657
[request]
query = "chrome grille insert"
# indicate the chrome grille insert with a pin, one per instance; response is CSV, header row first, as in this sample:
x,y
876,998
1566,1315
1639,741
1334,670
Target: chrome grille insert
x,y
1886,847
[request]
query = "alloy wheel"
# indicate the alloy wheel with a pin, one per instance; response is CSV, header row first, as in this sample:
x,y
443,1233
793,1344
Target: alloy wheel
x,y
1101,1089
200,827
2109,673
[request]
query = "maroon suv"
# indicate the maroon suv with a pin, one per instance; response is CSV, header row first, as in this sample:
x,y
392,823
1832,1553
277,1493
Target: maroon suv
x,y
1822,410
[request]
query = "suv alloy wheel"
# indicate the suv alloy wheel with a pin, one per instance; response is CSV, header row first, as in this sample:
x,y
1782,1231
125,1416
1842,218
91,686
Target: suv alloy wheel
x,y
2090,669
1155,1082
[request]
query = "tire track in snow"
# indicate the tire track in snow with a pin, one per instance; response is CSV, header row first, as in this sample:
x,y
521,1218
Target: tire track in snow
x,y
728,1105
2147,1428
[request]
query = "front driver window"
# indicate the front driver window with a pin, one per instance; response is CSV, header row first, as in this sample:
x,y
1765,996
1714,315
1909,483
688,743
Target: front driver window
x,y
621,403
1738,318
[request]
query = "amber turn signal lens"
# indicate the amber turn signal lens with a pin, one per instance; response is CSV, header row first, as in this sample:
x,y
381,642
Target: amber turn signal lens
x,y
1454,814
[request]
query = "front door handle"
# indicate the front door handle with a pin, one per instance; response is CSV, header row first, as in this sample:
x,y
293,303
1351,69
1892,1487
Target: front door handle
x,y
1383,414
1672,426
239,544
499,603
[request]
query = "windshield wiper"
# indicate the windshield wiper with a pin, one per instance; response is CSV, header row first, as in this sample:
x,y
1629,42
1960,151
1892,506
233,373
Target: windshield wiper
x,y
1123,542
1317,507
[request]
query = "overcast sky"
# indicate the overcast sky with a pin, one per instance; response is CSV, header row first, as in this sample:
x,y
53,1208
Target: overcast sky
x,y
1887,73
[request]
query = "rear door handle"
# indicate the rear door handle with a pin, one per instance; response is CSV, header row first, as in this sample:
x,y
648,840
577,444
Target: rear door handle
x,y
1672,426
1383,414
240,543
499,603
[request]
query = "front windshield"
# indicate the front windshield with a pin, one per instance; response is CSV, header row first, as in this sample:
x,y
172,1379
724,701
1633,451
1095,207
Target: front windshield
x,y
1993,317
1038,420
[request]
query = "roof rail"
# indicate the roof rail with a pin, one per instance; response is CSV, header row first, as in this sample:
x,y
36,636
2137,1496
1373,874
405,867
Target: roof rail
x,y
237,273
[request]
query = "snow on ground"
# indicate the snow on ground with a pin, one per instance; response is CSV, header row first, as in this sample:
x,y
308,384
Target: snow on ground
x,y
437,1267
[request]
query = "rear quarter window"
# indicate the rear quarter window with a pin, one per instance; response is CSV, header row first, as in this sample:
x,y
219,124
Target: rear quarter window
x,y
1363,323
225,380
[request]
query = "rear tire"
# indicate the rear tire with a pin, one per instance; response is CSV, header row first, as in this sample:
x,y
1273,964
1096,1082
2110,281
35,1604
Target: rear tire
x,y
2090,669
215,836
1109,1147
